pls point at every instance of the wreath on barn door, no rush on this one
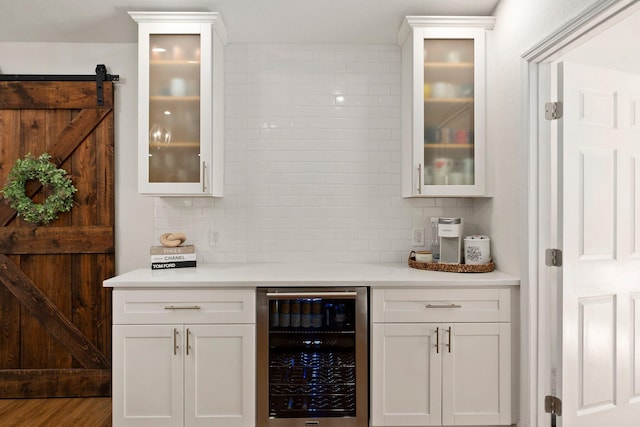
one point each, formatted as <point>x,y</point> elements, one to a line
<point>60,198</point>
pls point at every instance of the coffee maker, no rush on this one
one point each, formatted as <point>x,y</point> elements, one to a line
<point>450,235</point>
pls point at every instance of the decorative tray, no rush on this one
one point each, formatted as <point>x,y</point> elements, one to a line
<point>452,268</point>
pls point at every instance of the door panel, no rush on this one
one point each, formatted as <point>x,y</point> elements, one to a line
<point>151,357</point>
<point>597,353</point>
<point>597,191</point>
<point>635,347</point>
<point>219,390</point>
<point>55,316</point>
<point>635,201</point>
<point>406,384</point>
<point>476,386</point>
<point>598,151</point>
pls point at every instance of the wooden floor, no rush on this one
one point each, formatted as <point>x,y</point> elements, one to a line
<point>56,412</point>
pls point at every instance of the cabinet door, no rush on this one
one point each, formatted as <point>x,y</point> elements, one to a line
<point>220,375</point>
<point>406,374</point>
<point>177,121</point>
<point>452,140</point>
<point>147,376</point>
<point>443,89</point>
<point>476,378</point>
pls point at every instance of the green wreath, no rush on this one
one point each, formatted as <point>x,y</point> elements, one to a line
<point>56,180</point>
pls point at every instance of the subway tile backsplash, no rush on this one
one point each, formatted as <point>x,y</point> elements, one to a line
<point>312,161</point>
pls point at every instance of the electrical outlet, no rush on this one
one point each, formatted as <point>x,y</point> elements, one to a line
<point>418,237</point>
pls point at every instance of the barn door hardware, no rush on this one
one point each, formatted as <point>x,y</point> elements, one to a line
<point>100,77</point>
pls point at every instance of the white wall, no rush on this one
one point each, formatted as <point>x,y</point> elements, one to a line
<point>616,48</point>
<point>134,229</point>
<point>308,176</point>
<point>520,24</point>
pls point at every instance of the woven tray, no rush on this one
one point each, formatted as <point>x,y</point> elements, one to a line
<point>452,268</point>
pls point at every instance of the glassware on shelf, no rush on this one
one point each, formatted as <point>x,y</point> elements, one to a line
<point>159,136</point>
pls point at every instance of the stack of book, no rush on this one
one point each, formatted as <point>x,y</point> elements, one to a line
<point>163,257</point>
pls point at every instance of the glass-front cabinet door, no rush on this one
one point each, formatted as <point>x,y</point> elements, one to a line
<point>181,104</point>
<point>443,62</point>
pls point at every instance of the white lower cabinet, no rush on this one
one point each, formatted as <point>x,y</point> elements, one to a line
<point>431,370</point>
<point>183,374</point>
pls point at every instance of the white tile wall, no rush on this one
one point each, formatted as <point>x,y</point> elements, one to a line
<point>312,161</point>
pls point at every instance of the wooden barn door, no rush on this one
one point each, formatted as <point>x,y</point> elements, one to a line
<point>55,316</point>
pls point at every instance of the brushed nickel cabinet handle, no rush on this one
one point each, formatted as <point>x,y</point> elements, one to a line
<point>204,167</point>
<point>437,340</point>
<point>175,341</point>
<point>189,333</point>
<point>182,307</point>
<point>449,345</point>
<point>419,178</point>
<point>443,306</point>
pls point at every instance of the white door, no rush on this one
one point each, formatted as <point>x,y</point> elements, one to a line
<point>220,375</point>
<point>599,225</point>
<point>147,376</point>
<point>476,374</point>
<point>406,374</point>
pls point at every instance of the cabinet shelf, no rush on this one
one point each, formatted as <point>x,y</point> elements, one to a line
<point>177,144</point>
<point>169,98</point>
<point>172,62</point>
<point>448,64</point>
<point>435,100</point>
<point>448,146</point>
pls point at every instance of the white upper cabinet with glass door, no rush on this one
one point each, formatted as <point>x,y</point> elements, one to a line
<point>443,106</point>
<point>181,103</point>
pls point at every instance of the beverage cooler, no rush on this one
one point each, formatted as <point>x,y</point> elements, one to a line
<point>312,356</point>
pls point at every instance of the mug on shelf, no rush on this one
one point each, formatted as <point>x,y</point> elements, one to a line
<point>441,168</point>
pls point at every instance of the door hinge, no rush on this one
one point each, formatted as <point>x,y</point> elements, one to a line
<point>553,257</point>
<point>553,405</point>
<point>553,110</point>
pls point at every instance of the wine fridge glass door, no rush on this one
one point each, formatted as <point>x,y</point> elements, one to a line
<point>312,357</point>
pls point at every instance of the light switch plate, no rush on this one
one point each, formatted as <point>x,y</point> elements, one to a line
<point>418,237</point>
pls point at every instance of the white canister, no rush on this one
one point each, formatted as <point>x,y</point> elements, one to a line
<point>477,250</point>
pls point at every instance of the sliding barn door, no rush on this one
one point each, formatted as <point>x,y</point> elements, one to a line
<point>55,316</point>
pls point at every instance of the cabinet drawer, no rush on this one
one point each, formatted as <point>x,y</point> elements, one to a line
<point>441,305</point>
<point>167,306</point>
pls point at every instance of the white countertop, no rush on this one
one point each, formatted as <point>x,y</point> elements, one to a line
<point>305,274</point>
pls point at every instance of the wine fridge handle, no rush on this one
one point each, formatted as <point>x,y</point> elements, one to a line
<point>320,294</point>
